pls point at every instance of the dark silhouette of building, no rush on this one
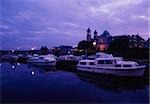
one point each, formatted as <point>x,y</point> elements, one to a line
<point>136,41</point>
<point>103,41</point>
<point>147,43</point>
<point>95,35</point>
<point>88,34</point>
<point>65,50</point>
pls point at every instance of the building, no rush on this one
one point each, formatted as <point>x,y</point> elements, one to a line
<point>95,35</point>
<point>147,43</point>
<point>64,50</point>
<point>88,34</point>
<point>135,41</point>
<point>101,42</point>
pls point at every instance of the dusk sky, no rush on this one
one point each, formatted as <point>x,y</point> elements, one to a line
<point>36,23</point>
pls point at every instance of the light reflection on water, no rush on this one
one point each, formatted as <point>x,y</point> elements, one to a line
<point>27,83</point>
<point>32,72</point>
<point>18,64</point>
<point>13,67</point>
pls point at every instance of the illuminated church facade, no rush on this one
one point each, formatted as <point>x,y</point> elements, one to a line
<point>102,41</point>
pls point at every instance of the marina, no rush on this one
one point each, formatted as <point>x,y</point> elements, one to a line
<point>29,84</point>
<point>74,51</point>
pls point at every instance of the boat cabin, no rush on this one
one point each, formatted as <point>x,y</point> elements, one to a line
<point>126,64</point>
<point>87,62</point>
<point>108,62</point>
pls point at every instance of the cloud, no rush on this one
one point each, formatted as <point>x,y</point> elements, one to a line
<point>58,22</point>
<point>3,27</point>
<point>142,17</point>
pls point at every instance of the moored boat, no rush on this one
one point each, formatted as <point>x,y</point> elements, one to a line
<point>67,62</point>
<point>42,60</point>
<point>111,65</point>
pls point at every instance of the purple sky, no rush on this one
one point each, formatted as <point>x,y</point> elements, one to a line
<point>33,23</point>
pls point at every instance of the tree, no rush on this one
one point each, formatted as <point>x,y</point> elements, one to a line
<point>119,45</point>
<point>85,45</point>
<point>44,50</point>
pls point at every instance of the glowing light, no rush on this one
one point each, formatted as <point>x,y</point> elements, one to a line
<point>18,64</point>
<point>12,50</point>
<point>32,72</point>
<point>69,52</point>
<point>102,47</point>
<point>0,64</point>
<point>94,43</point>
<point>13,67</point>
<point>18,48</point>
<point>33,48</point>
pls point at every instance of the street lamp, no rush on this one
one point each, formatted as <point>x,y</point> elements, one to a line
<point>94,43</point>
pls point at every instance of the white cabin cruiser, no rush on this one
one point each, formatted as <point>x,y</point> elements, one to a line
<point>69,58</point>
<point>32,59</point>
<point>42,60</point>
<point>112,65</point>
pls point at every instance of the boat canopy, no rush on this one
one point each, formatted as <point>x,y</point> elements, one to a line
<point>103,55</point>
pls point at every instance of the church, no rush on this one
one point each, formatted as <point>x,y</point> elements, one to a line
<point>102,41</point>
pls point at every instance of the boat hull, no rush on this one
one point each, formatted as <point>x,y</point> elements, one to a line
<point>139,71</point>
<point>46,64</point>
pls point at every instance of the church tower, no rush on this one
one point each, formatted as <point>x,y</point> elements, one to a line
<point>95,35</point>
<point>88,34</point>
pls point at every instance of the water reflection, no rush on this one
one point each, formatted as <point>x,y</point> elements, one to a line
<point>18,64</point>
<point>113,83</point>
<point>42,69</point>
<point>32,73</point>
<point>14,65</point>
<point>28,83</point>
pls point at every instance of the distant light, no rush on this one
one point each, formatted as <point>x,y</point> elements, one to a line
<point>12,50</point>
<point>33,48</point>
<point>32,72</point>
<point>18,48</point>
<point>0,64</point>
<point>69,52</point>
<point>13,67</point>
<point>18,64</point>
<point>75,46</point>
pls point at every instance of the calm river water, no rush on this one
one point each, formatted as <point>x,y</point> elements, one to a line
<point>23,83</point>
